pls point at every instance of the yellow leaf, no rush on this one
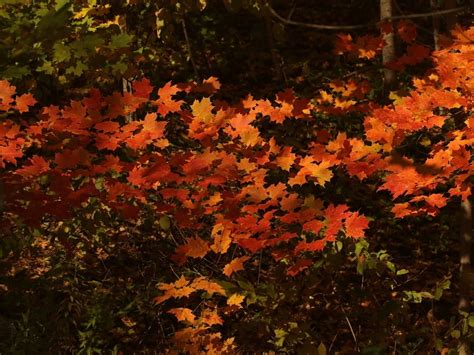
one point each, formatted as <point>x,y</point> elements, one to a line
<point>320,172</point>
<point>202,110</point>
<point>235,300</point>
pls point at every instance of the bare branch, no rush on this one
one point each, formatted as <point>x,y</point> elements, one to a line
<point>429,14</point>
<point>360,26</point>
<point>311,25</point>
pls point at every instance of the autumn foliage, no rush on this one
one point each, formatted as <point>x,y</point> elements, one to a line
<point>220,183</point>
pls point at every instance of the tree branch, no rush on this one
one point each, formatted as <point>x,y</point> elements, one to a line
<point>311,25</point>
<point>360,26</point>
<point>429,14</point>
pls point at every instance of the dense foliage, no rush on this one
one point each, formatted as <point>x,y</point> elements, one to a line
<point>141,213</point>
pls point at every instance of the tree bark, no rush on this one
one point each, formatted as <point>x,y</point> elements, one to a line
<point>388,52</point>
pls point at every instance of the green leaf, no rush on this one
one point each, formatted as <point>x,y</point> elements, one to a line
<point>361,245</point>
<point>322,349</point>
<point>165,222</point>
<point>402,272</point>
<point>62,53</point>
<point>60,4</point>
<point>120,40</point>
<point>444,285</point>
<point>280,335</point>
<point>456,334</point>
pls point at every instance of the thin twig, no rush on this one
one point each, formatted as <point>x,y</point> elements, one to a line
<point>429,14</point>
<point>332,342</point>
<point>310,25</point>
<point>293,7</point>
<point>360,26</point>
<point>259,267</point>
<point>190,53</point>
<point>350,327</point>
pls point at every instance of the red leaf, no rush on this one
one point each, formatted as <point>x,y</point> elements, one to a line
<point>356,225</point>
<point>142,88</point>
<point>299,266</point>
<point>38,165</point>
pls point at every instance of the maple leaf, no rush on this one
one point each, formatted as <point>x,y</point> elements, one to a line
<point>142,88</point>
<point>38,165</point>
<point>235,265</point>
<point>178,289</point>
<point>406,30</point>
<point>10,153</point>
<point>321,172</point>
<point>356,225</point>
<point>210,287</point>
<point>235,300</point>
<point>344,44</point>
<point>299,266</point>
<point>183,315</point>
<point>286,159</point>
<point>209,86</point>
<point>401,210</point>
<point>24,102</point>
<point>211,317</point>
<point>202,110</point>
<point>369,46</point>
<point>314,226</point>
<point>196,248</point>
<point>70,158</point>
<point>6,94</point>
<point>165,103</point>
<point>107,126</point>
<point>214,199</point>
<point>248,134</point>
<point>222,239</point>
<point>316,245</point>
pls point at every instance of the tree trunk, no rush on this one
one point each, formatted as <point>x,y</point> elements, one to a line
<point>388,52</point>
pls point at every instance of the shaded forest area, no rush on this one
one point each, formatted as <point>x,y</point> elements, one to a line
<point>236,176</point>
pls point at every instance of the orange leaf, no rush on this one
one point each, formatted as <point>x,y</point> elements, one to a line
<point>202,110</point>
<point>196,248</point>
<point>286,159</point>
<point>222,239</point>
<point>355,225</point>
<point>6,93</point>
<point>235,265</point>
<point>24,101</point>
<point>208,286</point>
<point>211,317</point>
<point>183,315</point>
